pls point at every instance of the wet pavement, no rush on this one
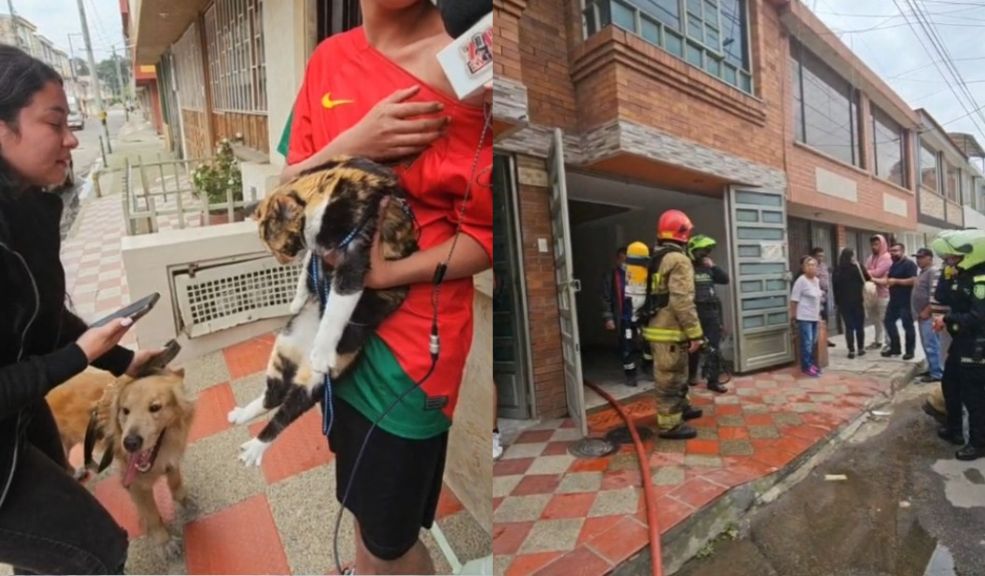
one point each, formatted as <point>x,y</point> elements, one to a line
<point>904,507</point>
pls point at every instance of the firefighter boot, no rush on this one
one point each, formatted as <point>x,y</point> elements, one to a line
<point>680,432</point>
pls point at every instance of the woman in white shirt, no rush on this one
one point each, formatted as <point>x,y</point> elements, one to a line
<point>805,309</point>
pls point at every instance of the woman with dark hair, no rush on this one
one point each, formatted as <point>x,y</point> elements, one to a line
<point>49,523</point>
<point>849,284</point>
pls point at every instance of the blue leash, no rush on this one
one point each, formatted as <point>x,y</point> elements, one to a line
<point>321,286</point>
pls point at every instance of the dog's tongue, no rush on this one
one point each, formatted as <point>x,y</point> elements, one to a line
<point>131,471</point>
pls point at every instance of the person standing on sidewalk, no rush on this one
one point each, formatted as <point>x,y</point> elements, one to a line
<point>706,276</point>
<point>49,523</point>
<point>878,265</point>
<point>673,329</point>
<point>848,284</point>
<point>921,303</point>
<point>824,279</point>
<point>805,310</point>
<point>965,369</point>
<point>900,280</point>
<point>378,91</point>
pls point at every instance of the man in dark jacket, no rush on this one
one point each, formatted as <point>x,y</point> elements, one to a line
<point>706,276</point>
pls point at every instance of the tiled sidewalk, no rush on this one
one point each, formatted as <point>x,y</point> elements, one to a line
<point>94,274</point>
<point>557,515</point>
<point>274,520</point>
<point>277,519</point>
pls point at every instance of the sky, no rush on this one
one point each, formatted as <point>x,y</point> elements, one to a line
<point>56,19</point>
<point>879,34</point>
<point>874,29</point>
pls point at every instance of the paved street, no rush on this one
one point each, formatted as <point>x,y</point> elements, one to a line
<point>906,506</point>
<point>88,149</point>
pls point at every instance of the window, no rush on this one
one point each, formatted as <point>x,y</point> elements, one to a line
<point>952,177</point>
<point>237,64</point>
<point>929,169</point>
<point>887,141</point>
<point>188,62</point>
<point>708,34</point>
<point>826,108</point>
<point>335,17</point>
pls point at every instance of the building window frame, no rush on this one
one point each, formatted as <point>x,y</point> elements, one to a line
<point>237,62</point>
<point>882,120</point>
<point>937,189</point>
<point>681,42</point>
<point>852,95</point>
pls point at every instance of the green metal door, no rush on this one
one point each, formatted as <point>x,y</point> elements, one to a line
<point>758,249</point>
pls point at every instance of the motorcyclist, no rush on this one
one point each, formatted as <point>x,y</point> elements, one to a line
<point>962,288</point>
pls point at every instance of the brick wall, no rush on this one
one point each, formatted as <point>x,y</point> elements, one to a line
<point>542,306</point>
<point>544,71</point>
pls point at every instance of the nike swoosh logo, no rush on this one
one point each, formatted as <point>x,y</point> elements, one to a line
<point>328,103</point>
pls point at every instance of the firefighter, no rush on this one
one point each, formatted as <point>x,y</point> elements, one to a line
<point>963,291</point>
<point>637,262</point>
<point>672,329</point>
<point>706,275</point>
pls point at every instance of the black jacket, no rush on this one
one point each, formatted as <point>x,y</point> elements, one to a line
<point>848,284</point>
<point>37,331</point>
<point>965,295</point>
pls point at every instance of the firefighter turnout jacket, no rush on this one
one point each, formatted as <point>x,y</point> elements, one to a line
<point>672,292</point>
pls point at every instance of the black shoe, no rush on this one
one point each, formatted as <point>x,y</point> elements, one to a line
<point>692,413</point>
<point>861,352</point>
<point>889,353</point>
<point>831,344</point>
<point>631,380</point>
<point>932,412</point>
<point>851,354</point>
<point>717,387</point>
<point>927,379</point>
<point>679,432</point>
<point>956,438</point>
<point>924,373</point>
<point>908,356</point>
<point>969,452</point>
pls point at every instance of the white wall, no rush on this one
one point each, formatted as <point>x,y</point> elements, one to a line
<point>287,47</point>
<point>973,218</point>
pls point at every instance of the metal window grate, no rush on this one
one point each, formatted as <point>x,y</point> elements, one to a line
<point>228,295</point>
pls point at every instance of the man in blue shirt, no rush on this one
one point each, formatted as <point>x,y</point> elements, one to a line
<point>901,279</point>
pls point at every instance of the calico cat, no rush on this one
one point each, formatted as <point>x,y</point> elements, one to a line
<point>332,210</point>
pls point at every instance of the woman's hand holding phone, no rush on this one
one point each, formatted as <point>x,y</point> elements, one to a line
<point>96,342</point>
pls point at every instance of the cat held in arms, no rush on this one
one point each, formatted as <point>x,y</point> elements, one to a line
<point>330,211</point>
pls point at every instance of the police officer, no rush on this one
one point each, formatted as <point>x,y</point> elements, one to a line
<point>673,329</point>
<point>706,275</point>
<point>962,288</point>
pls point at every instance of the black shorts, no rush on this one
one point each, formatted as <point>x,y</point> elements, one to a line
<point>395,491</point>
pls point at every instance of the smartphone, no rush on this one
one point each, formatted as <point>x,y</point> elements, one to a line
<point>134,311</point>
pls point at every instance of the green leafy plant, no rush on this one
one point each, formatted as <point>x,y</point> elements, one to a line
<point>215,178</point>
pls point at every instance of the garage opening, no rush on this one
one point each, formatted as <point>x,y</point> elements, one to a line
<point>605,214</point>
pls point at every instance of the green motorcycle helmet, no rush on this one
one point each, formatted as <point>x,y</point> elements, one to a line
<point>969,245</point>
<point>700,242</point>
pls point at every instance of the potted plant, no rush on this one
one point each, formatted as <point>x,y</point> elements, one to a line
<point>213,180</point>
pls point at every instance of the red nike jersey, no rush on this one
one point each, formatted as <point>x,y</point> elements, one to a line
<point>345,78</point>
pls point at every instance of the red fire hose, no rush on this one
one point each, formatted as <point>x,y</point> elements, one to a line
<point>650,496</point>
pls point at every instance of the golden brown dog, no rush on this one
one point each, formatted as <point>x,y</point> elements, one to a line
<point>148,420</point>
<point>72,404</point>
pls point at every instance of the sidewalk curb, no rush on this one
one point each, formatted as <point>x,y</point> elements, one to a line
<point>684,541</point>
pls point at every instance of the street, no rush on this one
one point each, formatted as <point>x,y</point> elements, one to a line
<point>904,506</point>
<point>88,149</point>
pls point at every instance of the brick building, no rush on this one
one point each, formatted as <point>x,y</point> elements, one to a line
<point>750,115</point>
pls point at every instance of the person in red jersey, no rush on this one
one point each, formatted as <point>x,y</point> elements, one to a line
<point>377,91</point>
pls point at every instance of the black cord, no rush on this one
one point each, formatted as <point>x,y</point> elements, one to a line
<point>434,345</point>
